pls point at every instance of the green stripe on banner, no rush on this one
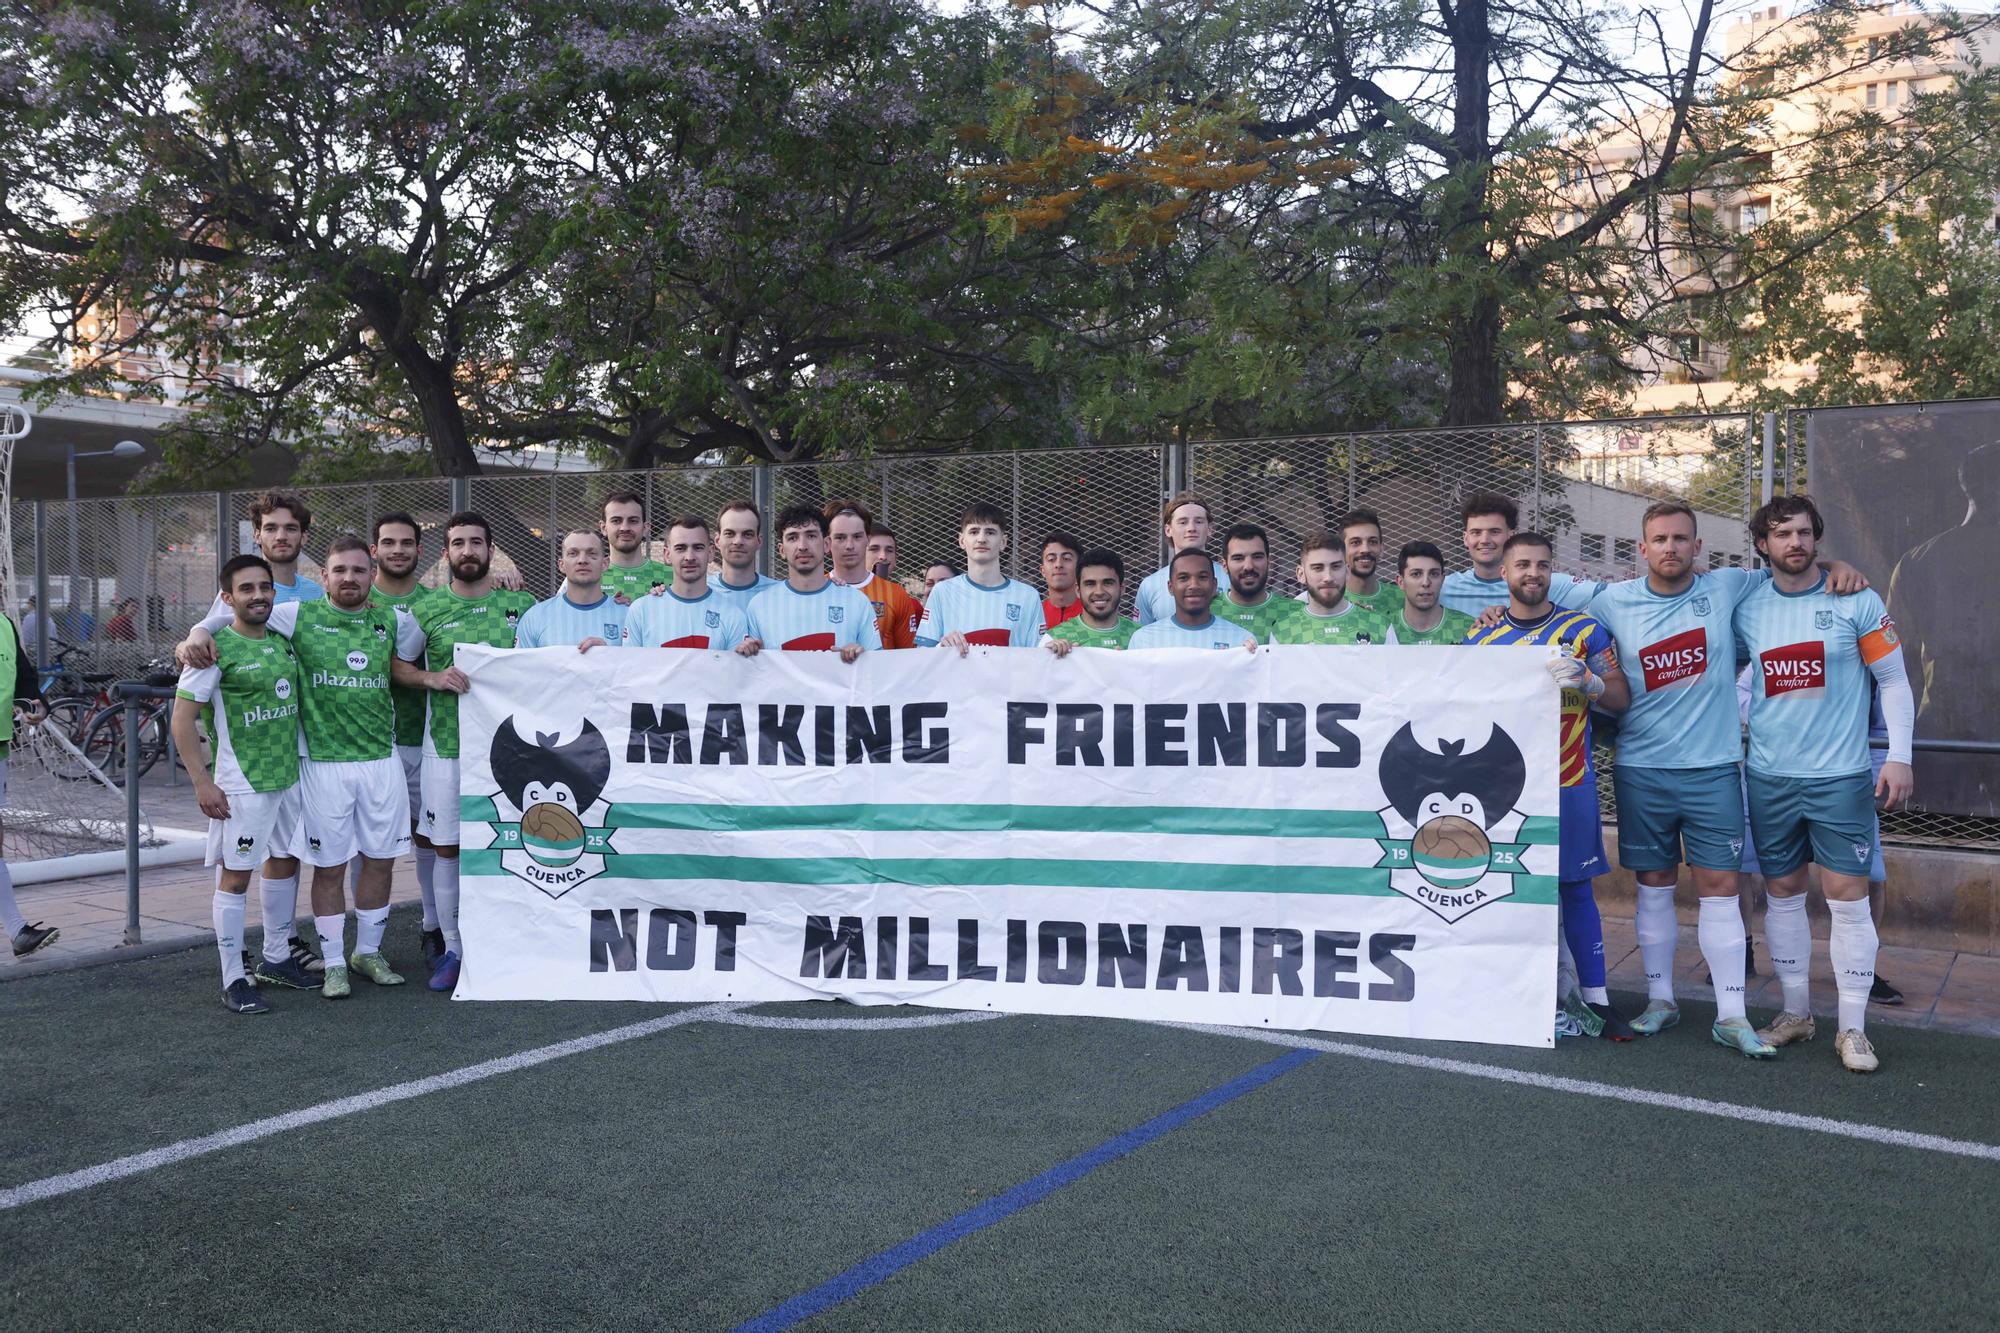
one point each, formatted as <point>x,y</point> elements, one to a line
<point>981,871</point>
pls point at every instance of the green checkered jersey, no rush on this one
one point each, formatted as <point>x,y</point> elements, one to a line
<point>407,701</point>
<point>344,669</point>
<point>1354,625</point>
<point>1075,631</point>
<point>1385,601</point>
<point>252,713</point>
<point>636,582</point>
<point>1451,630</point>
<point>442,621</point>
<point>1261,620</point>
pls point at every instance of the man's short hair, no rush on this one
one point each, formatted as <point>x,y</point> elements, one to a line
<point>603,547</point>
<point>1186,552</point>
<point>469,518</point>
<point>800,516</point>
<point>1541,539</point>
<point>292,501</point>
<point>1246,532</point>
<point>237,564</point>
<point>624,498</point>
<point>1357,518</point>
<point>1784,509</point>
<point>981,512</point>
<point>1104,556</point>
<point>1174,503</point>
<point>346,541</point>
<point>1489,502</point>
<point>1323,540</point>
<point>835,508</point>
<point>736,504</point>
<point>1418,551</point>
<point>398,516</point>
<point>693,521</point>
<point>1666,509</point>
<point>877,528</point>
<point>1066,541</point>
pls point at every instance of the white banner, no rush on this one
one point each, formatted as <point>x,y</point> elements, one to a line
<point>1349,839</point>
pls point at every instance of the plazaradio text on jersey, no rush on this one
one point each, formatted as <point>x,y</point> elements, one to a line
<point>1153,735</point>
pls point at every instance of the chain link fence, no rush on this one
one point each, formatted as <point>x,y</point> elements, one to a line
<point>123,578</point>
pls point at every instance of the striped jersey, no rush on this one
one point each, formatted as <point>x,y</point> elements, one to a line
<point>739,597</point>
<point>1810,656</point>
<point>1452,627</point>
<point>1170,633</point>
<point>1262,620</point>
<point>1580,636</point>
<point>1155,601</point>
<point>1466,591</point>
<point>1351,624</point>
<point>1078,631</point>
<point>431,635</point>
<point>1385,601</point>
<point>831,617</point>
<point>1001,615</point>
<point>673,621</point>
<point>409,702</point>
<point>635,581</point>
<point>559,621</point>
<point>252,711</point>
<point>1679,656</point>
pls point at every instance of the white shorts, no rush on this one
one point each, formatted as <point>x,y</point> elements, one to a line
<point>412,759</point>
<point>261,825</point>
<point>360,808</point>
<point>438,817</point>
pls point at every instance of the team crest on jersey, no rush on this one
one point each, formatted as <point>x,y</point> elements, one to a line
<point>382,632</point>
<point>552,787</point>
<point>513,617</point>
<point>613,630</point>
<point>1363,637</point>
<point>712,619</point>
<point>1822,620</point>
<point>1699,605</point>
<point>1013,611</point>
<point>835,614</point>
<point>1452,837</point>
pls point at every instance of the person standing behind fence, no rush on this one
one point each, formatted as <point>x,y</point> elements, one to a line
<point>1101,577</point>
<point>279,522</point>
<point>896,612</point>
<point>1361,536</point>
<point>17,664</point>
<point>1194,623</point>
<point>1421,618</point>
<point>1246,555</point>
<point>249,699</point>
<point>982,605</point>
<point>689,614</point>
<point>632,573</point>
<point>1489,521</point>
<point>397,549</point>
<point>1185,523</point>
<point>470,609</point>
<point>808,612</point>
<point>1061,554</point>
<point>739,540</point>
<point>584,612</point>
<point>1326,617</point>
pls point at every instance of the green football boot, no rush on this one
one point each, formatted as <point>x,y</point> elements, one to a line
<point>334,983</point>
<point>1739,1036</point>
<point>1659,1016</point>
<point>375,967</point>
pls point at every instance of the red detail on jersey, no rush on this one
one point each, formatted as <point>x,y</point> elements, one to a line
<point>992,638</point>
<point>1796,666</point>
<point>811,643</point>
<point>1674,659</point>
<point>687,641</point>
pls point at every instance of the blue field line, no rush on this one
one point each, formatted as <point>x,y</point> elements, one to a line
<point>886,1264</point>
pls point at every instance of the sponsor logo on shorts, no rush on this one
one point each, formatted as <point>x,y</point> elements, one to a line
<point>312,843</point>
<point>1861,850</point>
<point>1796,666</point>
<point>1674,659</point>
<point>1736,846</point>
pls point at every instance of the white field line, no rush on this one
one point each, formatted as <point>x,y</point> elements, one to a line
<point>943,1019</point>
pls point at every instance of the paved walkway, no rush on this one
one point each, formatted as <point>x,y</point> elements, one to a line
<point>1957,992</point>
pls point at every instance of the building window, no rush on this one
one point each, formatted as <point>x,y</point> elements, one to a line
<point>1870,91</point>
<point>1593,546</point>
<point>1625,551</point>
<point>1889,93</point>
<point>1687,346</point>
<point>1753,214</point>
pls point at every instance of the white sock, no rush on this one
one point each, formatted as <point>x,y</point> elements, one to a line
<point>1596,995</point>
<point>1788,939</point>
<point>447,901</point>
<point>1852,947</point>
<point>10,911</point>
<point>369,923</point>
<point>1720,930</point>
<point>227,912</point>
<point>427,858</point>
<point>1659,932</point>
<point>280,899</point>
<point>332,939</point>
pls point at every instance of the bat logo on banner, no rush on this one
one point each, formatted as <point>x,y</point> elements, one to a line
<point>553,786</point>
<point>1454,839</point>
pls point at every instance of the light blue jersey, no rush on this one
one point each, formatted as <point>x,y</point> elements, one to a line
<point>739,597</point>
<point>830,618</point>
<point>303,590</point>
<point>1156,602</point>
<point>1465,591</point>
<point>672,621</point>
<point>1811,657</point>
<point>1007,614</point>
<point>1170,633</point>
<point>559,621</point>
<point>1679,656</point>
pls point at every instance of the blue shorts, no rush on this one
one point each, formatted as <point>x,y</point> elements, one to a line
<point>1830,821</point>
<point>1666,815</point>
<point>1878,872</point>
<point>1582,837</point>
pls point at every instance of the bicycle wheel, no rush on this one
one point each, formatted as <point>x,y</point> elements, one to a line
<point>103,743</point>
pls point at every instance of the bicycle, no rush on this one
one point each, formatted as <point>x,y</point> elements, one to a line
<point>102,741</point>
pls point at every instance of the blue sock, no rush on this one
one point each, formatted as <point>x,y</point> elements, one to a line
<point>1584,930</point>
